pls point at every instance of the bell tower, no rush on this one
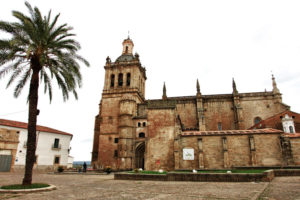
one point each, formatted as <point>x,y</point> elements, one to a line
<point>124,88</point>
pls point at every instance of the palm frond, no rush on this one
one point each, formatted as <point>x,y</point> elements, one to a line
<point>22,82</point>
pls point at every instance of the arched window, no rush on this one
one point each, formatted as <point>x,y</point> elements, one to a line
<point>120,79</point>
<point>291,129</point>
<point>139,124</point>
<point>141,135</point>
<point>257,120</point>
<point>144,124</point>
<point>128,79</point>
<point>126,50</point>
<point>219,126</point>
<point>112,80</point>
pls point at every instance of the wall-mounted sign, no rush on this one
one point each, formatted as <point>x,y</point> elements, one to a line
<point>188,154</point>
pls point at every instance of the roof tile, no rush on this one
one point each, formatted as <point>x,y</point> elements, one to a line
<point>16,124</point>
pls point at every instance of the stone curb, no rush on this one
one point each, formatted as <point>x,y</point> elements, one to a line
<point>49,188</point>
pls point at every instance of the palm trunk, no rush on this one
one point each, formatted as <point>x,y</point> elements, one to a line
<point>32,121</point>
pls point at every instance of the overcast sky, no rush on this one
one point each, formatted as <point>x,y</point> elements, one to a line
<point>178,42</point>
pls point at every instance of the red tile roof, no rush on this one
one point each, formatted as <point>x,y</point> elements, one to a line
<point>292,135</point>
<point>231,132</point>
<point>276,122</point>
<point>16,124</point>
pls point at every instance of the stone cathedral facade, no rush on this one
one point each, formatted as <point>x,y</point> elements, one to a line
<point>186,132</point>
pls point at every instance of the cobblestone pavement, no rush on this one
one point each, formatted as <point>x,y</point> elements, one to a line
<point>283,188</point>
<point>79,186</point>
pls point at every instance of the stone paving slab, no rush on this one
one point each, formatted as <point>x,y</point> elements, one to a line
<point>104,187</point>
<point>283,188</point>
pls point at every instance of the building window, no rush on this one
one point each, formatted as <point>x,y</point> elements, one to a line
<point>144,124</point>
<point>139,124</point>
<point>120,80</point>
<point>116,140</point>
<point>126,50</point>
<point>291,129</point>
<point>141,135</point>
<point>219,126</point>
<point>56,143</point>
<point>56,159</point>
<point>128,79</point>
<point>257,120</point>
<point>112,80</point>
<point>116,153</point>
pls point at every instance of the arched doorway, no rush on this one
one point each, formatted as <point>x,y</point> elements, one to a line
<point>139,155</point>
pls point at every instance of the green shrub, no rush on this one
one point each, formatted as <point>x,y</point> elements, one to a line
<point>60,169</point>
<point>107,169</point>
<point>20,187</point>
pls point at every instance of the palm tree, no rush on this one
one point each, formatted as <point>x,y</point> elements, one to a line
<point>39,50</point>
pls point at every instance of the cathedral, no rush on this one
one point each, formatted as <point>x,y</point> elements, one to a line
<point>186,132</point>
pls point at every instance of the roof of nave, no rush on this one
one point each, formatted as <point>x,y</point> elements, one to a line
<point>216,96</point>
<point>231,132</point>
<point>16,124</point>
<point>277,118</point>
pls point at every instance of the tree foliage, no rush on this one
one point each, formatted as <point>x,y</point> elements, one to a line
<point>38,37</point>
<point>39,50</point>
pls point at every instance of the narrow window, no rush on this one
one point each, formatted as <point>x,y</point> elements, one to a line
<point>144,124</point>
<point>112,80</point>
<point>219,126</point>
<point>139,124</point>
<point>200,146</point>
<point>141,135</point>
<point>56,159</point>
<point>56,143</point>
<point>128,79</point>
<point>116,140</point>
<point>126,50</point>
<point>224,141</point>
<point>251,141</point>
<point>116,153</point>
<point>291,129</point>
<point>120,79</point>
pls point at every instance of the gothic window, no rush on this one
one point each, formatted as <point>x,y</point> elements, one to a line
<point>112,80</point>
<point>139,124</point>
<point>116,140</point>
<point>141,135</point>
<point>126,50</point>
<point>120,79</point>
<point>219,126</point>
<point>128,79</point>
<point>116,153</point>
<point>291,129</point>
<point>257,120</point>
<point>144,124</point>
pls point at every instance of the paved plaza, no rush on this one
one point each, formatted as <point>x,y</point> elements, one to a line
<point>83,186</point>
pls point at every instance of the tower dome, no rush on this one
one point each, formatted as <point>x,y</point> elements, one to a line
<point>127,54</point>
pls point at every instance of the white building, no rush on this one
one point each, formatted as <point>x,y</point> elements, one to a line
<point>53,146</point>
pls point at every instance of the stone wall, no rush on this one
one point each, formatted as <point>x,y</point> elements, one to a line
<point>295,146</point>
<point>188,113</point>
<point>228,151</point>
<point>9,140</point>
<point>219,111</point>
<point>262,106</point>
<point>160,142</point>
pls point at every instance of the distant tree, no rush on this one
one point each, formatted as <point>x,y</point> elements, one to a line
<point>39,50</point>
